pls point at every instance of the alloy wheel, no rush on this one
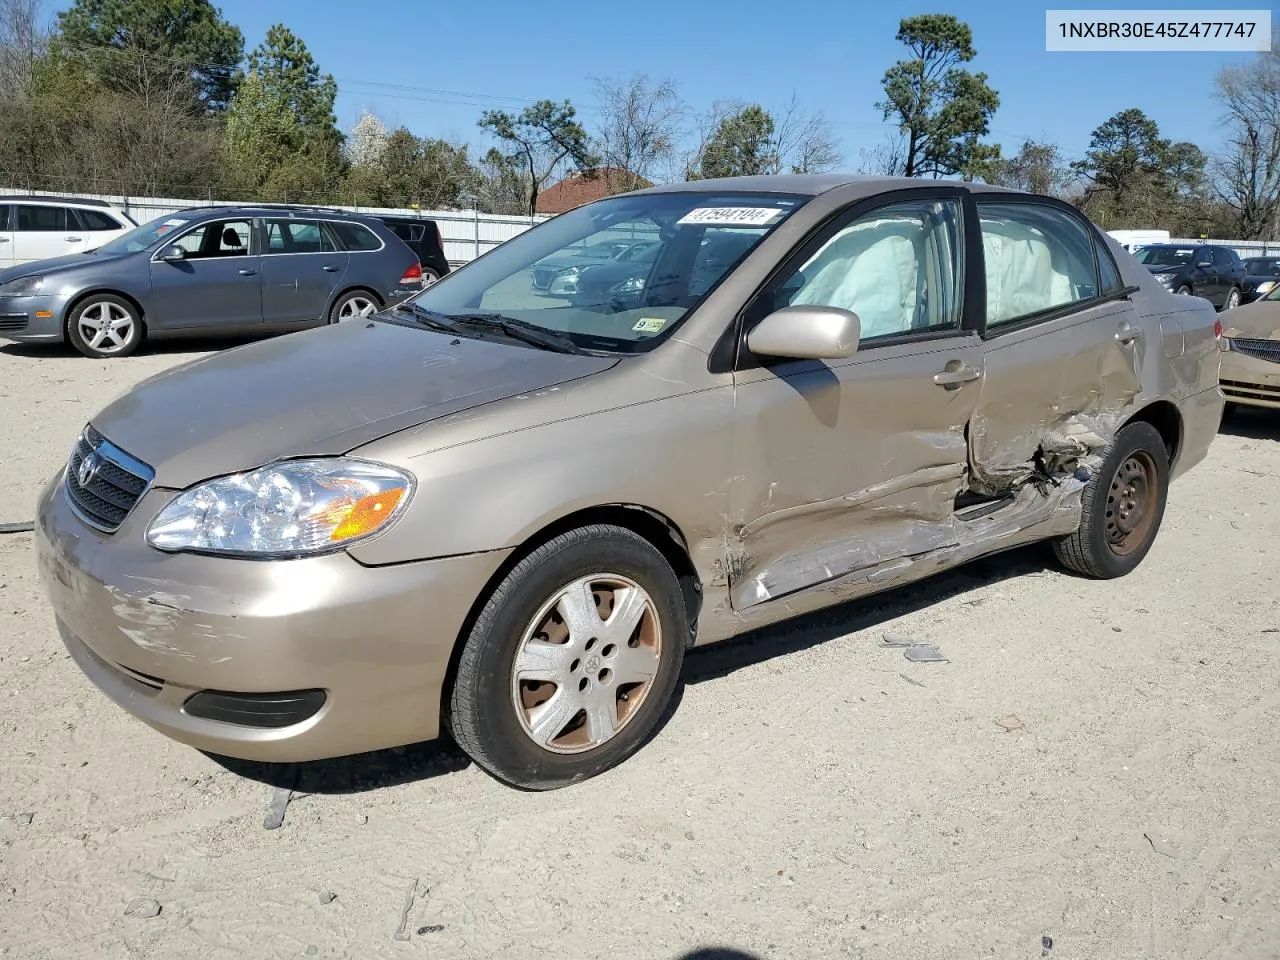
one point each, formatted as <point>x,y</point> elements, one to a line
<point>106,327</point>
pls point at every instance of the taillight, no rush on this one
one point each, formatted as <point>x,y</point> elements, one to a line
<point>413,274</point>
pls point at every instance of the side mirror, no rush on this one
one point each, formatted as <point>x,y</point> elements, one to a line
<point>807,333</point>
<point>172,253</point>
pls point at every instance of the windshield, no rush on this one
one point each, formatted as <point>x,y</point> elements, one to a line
<point>615,275</point>
<point>1165,256</point>
<point>143,237</point>
<point>1259,267</point>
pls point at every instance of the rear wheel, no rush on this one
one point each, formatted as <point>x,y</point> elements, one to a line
<point>572,661</point>
<point>1122,506</point>
<point>353,305</point>
<point>429,276</point>
<point>1184,290</point>
<point>104,325</point>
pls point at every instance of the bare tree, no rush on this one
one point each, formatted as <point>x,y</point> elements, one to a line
<point>640,124</point>
<point>24,37</point>
<point>1247,173</point>
<point>887,160</point>
<point>804,142</point>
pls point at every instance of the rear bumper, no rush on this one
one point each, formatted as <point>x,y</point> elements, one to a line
<point>153,630</point>
<point>1250,380</point>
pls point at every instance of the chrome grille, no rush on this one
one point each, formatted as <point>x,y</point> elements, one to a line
<point>104,493</point>
<point>1262,349</point>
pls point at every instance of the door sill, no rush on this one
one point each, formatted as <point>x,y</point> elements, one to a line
<point>970,507</point>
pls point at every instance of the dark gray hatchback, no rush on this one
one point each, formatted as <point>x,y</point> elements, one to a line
<point>210,271</point>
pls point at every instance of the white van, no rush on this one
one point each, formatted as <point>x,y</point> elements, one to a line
<point>37,228</point>
<point>1131,240</point>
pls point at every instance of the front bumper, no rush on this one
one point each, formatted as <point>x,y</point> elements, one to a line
<point>152,630</point>
<point>1248,380</point>
<point>33,319</point>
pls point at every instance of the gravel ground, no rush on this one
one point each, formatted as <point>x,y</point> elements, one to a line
<point>814,795</point>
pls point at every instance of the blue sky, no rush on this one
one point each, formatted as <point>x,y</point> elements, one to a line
<point>434,67</point>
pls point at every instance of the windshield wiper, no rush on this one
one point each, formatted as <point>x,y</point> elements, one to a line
<point>429,318</point>
<point>520,330</point>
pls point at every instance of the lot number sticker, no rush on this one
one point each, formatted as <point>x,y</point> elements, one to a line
<point>731,216</point>
<point>649,324</point>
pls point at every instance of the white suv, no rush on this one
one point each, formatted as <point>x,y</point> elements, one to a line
<point>37,228</point>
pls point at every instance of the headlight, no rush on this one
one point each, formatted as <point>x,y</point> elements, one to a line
<point>632,285</point>
<point>22,287</point>
<point>1266,287</point>
<point>286,509</point>
<point>1165,278</point>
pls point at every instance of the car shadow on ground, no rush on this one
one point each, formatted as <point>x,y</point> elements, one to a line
<point>148,348</point>
<point>717,953</point>
<point>1251,423</point>
<point>425,761</point>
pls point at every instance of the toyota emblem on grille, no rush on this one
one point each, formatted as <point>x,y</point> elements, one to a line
<point>88,469</point>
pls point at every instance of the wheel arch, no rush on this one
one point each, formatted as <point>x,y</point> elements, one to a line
<point>84,295</point>
<point>654,526</point>
<point>1166,419</point>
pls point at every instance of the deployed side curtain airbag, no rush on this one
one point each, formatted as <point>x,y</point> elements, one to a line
<point>1021,277</point>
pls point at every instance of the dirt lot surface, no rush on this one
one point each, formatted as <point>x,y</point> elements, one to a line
<point>815,794</point>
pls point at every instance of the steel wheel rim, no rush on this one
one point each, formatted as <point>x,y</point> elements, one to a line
<point>1132,502</point>
<point>356,308</point>
<point>586,663</point>
<point>106,327</point>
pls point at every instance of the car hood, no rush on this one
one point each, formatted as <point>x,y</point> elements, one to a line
<point>317,393</point>
<point>1259,320</point>
<point>55,264</point>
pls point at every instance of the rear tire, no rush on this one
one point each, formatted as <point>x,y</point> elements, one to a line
<point>429,277</point>
<point>1184,290</point>
<point>553,684</point>
<point>1122,506</point>
<point>104,326</point>
<point>353,305</point>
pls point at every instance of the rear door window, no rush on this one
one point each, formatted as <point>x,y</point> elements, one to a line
<point>298,236</point>
<point>37,219</point>
<point>5,216</point>
<point>1038,259</point>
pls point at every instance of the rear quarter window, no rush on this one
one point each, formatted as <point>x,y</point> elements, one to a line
<point>355,236</point>
<point>97,220</point>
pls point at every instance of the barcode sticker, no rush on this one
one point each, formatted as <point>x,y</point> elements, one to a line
<point>731,216</point>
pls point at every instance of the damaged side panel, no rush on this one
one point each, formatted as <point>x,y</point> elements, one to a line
<point>1053,393</point>
<point>840,468</point>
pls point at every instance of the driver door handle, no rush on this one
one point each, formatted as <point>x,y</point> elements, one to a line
<point>248,273</point>
<point>329,268</point>
<point>72,239</point>
<point>1127,334</point>
<point>957,377</point>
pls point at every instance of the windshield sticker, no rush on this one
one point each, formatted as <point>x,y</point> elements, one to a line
<point>175,222</point>
<point>732,216</point>
<point>649,324</point>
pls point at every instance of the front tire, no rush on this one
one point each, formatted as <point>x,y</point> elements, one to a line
<point>104,326</point>
<point>1184,290</point>
<point>572,661</point>
<point>1122,506</point>
<point>1233,299</point>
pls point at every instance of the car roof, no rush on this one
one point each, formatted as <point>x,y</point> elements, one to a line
<point>813,184</point>
<point>39,198</point>
<point>276,210</point>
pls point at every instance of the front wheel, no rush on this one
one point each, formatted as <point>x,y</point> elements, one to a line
<point>1122,506</point>
<point>104,326</point>
<point>1233,299</point>
<point>572,661</point>
<point>1184,290</point>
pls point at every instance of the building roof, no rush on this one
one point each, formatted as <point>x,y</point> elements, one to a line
<point>580,188</point>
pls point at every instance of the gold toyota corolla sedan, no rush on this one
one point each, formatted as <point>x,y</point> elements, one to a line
<point>1251,363</point>
<point>507,513</point>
